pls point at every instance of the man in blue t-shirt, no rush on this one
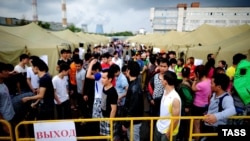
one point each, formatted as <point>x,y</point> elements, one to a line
<point>6,109</point>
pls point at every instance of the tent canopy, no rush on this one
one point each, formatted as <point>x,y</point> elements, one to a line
<point>224,49</point>
<point>92,38</point>
<point>34,33</point>
<point>31,38</point>
<point>68,35</point>
<point>11,47</point>
<point>40,43</point>
<point>208,35</point>
<point>202,36</point>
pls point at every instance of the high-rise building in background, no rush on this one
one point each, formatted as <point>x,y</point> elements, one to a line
<point>64,16</point>
<point>184,18</point>
<point>99,29</point>
<point>34,11</point>
<point>84,28</point>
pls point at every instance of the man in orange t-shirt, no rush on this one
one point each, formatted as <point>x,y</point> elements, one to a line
<point>72,81</point>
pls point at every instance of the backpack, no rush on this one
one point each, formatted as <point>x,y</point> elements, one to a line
<point>220,108</point>
<point>242,81</point>
<point>186,94</point>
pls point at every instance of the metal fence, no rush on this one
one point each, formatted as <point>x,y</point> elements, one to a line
<point>10,136</point>
<point>112,120</point>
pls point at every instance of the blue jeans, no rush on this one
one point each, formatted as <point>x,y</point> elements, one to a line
<point>136,132</point>
<point>17,101</point>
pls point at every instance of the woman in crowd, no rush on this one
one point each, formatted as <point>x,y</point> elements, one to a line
<point>202,88</point>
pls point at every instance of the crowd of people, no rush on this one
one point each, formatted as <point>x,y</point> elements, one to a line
<point>120,80</point>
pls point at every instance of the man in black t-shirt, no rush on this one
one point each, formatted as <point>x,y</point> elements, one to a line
<point>109,101</point>
<point>46,91</point>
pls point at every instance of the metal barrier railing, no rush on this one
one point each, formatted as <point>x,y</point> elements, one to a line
<point>10,136</point>
<point>132,119</point>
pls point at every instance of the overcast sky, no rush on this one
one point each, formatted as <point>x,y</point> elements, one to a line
<point>115,15</point>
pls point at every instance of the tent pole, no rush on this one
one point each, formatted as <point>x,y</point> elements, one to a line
<point>217,52</point>
<point>248,55</point>
<point>26,50</point>
<point>178,51</point>
<point>186,53</point>
<point>58,51</point>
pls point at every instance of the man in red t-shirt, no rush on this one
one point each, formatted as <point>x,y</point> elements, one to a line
<point>105,63</point>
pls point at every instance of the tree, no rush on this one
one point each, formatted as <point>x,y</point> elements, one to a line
<point>44,25</point>
<point>125,33</point>
<point>73,28</point>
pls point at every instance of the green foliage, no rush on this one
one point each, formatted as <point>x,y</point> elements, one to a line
<point>23,22</point>
<point>125,33</point>
<point>44,25</point>
<point>73,28</point>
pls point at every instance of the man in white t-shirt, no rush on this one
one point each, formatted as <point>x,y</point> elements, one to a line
<point>60,84</point>
<point>32,78</point>
<point>117,60</point>
<point>21,69</point>
<point>81,52</point>
<point>93,72</point>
